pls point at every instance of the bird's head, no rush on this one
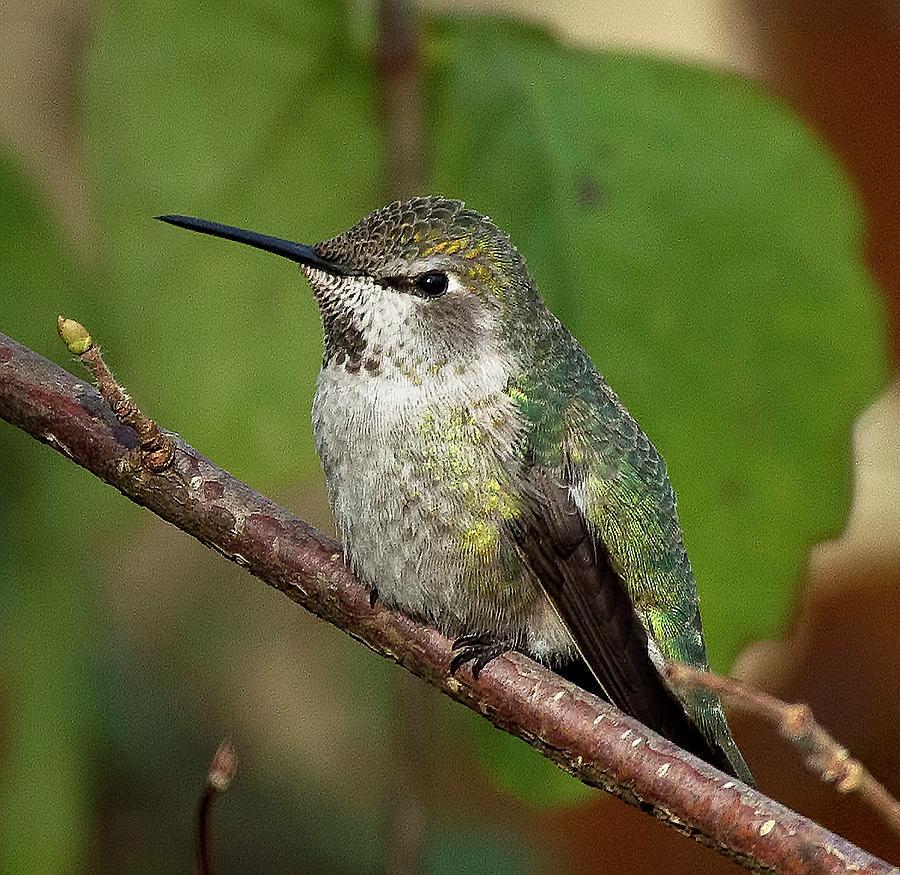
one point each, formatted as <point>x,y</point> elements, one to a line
<point>425,283</point>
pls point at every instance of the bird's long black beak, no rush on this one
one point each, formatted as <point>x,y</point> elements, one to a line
<point>298,252</point>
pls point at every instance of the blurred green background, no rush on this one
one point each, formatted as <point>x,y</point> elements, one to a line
<point>690,211</point>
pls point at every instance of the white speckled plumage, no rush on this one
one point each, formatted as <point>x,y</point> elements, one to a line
<point>406,448</point>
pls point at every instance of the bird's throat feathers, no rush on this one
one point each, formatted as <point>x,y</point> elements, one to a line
<point>370,330</point>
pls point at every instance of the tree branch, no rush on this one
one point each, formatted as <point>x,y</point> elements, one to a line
<point>588,738</point>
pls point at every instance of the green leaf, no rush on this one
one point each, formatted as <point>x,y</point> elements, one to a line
<point>264,117</point>
<point>705,248</point>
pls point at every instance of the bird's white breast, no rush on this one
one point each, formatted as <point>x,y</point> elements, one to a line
<point>405,461</point>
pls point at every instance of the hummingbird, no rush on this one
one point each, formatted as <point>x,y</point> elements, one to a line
<point>483,475</point>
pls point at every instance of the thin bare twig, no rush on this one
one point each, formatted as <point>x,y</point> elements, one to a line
<point>398,67</point>
<point>823,756</point>
<point>155,450</point>
<point>221,773</point>
<point>588,738</point>
<point>398,64</point>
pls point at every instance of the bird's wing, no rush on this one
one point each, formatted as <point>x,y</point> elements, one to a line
<point>599,530</point>
<point>575,572</point>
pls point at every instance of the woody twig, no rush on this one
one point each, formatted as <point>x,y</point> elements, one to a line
<point>823,755</point>
<point>221,773</point>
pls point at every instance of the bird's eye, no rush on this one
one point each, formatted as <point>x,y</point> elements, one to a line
<point>432,284</point>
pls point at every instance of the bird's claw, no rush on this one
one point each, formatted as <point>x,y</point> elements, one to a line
<point>477,649</point>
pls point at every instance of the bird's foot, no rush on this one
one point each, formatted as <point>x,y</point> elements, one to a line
<point>477,649</point>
